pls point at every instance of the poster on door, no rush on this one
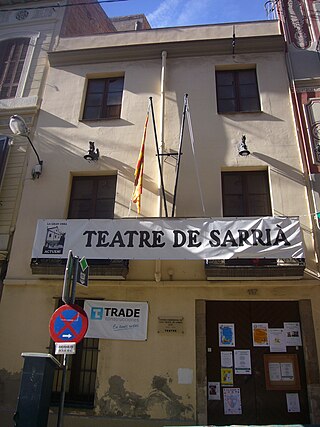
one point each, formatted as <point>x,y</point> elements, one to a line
<point>232,401</point>
<point>226,335</point>
<point>242,362</point>
<point>260,334</point>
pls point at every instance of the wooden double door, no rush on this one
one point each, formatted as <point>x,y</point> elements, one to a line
<point>262,396</point>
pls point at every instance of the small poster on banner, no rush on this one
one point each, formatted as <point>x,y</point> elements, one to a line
<point>226,359</point>
<point>214,391</point>
<point>293,333</point>
<point>226,376</point>
<point>277,340</point>
<point>226,335</point>
<point>260,334</point>
<point>232,401</point>
<point>293,404</point>
<point>242,362</point>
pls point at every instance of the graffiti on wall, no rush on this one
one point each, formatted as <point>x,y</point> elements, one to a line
<point>160,403</point>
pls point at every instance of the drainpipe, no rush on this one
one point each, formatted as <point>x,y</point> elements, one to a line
<point>157,274</point>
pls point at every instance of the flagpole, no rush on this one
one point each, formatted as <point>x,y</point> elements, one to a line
<point>159,161</point>
<point>179,153</point>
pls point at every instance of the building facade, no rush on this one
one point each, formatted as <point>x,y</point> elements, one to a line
<point>228,338</point>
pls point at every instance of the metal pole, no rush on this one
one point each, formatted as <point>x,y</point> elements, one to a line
<point>63,390</point>
<point>179,155</point>
<point>158,155</point>
<point>35,151</point>
<point>75,268</point>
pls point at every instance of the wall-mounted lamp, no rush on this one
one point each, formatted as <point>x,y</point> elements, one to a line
<point>18,127</point>
<point>93,154</point>
<point>242,147</point>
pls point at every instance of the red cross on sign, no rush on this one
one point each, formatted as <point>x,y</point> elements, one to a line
<point>69,323</point>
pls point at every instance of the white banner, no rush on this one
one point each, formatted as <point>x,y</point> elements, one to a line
<point>117,320</point>
<point>169,238</point>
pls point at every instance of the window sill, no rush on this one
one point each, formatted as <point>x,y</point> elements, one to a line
<point>226,113</point>
<point>26,102</point>
<point>105,119</point>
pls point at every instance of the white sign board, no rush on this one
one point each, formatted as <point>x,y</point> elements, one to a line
<point>65,348</point>
<point>117,320</point>
<point>169,238</point>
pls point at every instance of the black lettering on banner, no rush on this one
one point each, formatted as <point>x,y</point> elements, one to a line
<point>281,237</point>
<point>193,243</point>
<point>90,234</point>
<point>243,237</point>
<point>102,235</point>
<point>144,239</point>
<point>117,240</point>
<point>156,241</point>
<point>228,238</point>
<point>179,238</point>
<point>131,233</point>
<point>215,242</point>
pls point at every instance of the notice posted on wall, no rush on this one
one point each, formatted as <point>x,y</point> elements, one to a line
<point>232,401</point>
<point>293,333</point>
<point>226,359</point>
<point>293,403</point>
<point>242,362</point>
<point>226,376</point>
<point>214,391</point>
<point>277,340</point>
<point>226,335</point>
<point>260,334</point>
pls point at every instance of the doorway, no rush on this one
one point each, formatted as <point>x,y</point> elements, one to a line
<point>253,378</point>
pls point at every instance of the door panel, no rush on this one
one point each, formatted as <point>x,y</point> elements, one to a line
<point>259,405</point>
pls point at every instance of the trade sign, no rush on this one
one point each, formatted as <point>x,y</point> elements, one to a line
<point>69,323</point>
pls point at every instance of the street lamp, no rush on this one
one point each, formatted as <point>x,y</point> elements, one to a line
<point>242,147</point>
<point>18,127</point>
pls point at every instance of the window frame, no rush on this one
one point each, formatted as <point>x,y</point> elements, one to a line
<point>245,176</point>
<point>4,156</point>
<point>33,37</point>
<point>236,86</point>
<point>103,113</point>
<point>96,179</point>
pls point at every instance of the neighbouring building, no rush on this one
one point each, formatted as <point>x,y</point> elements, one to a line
<point>207,317</point>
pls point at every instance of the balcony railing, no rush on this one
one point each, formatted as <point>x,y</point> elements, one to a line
<point>114,269</point>
<point>233,269</point>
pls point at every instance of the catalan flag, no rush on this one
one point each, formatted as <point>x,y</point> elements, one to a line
<point>138,173</point>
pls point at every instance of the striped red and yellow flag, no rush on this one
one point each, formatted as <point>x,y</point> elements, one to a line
<point>138,173</point>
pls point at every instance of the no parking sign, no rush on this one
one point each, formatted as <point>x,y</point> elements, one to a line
<point>69,323</point>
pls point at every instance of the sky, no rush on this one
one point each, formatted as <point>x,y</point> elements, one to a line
<point>169,13</point>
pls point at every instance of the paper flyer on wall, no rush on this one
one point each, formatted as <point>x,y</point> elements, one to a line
<point>214,391</point>
<point>226,359</point>
<point>242,362</point>
<point>226,335</point>
<point>226,376</point>
<point>293,404</point>
<point>277,340</point>
<point>293,333</point>
<point>232,401</point>
<point>260,334</point>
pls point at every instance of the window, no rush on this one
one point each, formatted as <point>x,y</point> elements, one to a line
<point>82,372</point>
<point>246,194</point>
<point>92,197</point>
<point>103,99</point>
<point>12,58</point>
<point>237,91</point>
<point>4,151</point>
